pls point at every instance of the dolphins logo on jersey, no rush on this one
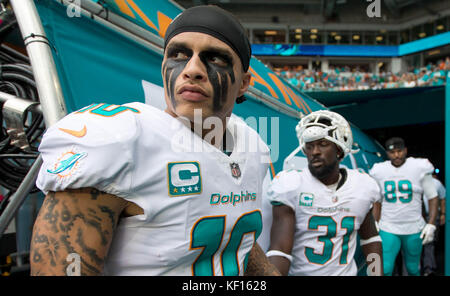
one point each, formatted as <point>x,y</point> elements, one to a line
<point>66,164</point>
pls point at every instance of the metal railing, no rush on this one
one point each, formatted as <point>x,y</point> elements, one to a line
<point>48,86</point>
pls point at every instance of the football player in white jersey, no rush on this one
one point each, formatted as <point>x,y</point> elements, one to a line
<point>403,180</point>
<point>132,190</point>
<point>429,264</point>
<point>317,212</point>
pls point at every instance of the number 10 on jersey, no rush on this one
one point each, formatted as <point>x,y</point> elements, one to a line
<point>204,236</point>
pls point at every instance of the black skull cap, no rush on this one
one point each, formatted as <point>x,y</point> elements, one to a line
<point>394,143</point>
<point>214,21</point>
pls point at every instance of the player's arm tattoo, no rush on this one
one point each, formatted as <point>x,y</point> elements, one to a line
<point>81,222</point>
<point>258,264</point>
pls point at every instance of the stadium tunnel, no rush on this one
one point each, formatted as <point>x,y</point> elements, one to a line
<point>416,114</point>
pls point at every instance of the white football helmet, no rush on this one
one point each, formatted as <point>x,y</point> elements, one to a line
<point>328,125</point>
<point>324,124</point>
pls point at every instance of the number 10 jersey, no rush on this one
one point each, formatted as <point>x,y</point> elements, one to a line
<point>201,206</point>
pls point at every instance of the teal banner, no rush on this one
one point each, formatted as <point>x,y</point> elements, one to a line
<point>154,16</point>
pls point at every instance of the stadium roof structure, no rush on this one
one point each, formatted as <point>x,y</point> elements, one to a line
<point>340,14</point>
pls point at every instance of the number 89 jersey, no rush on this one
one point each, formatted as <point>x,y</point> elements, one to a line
<point>401,211</point>
<point>201,206</point>
<point>326,222</point>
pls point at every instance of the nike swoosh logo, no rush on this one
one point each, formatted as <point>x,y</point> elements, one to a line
<point>79,134</point>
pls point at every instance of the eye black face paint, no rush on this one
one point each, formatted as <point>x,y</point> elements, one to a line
<point>173,67</point>
<point>218,76</point>
<point>218,72</point>
<point>171,70</point>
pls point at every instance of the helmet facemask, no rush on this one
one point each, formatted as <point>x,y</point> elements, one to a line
<point>327,125</point>
<point>324,124</point>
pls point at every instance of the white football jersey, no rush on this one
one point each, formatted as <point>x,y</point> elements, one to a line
<point>327,221</point>
<point>401,189</point>
<point>441,193</point>
<point>202,208</point>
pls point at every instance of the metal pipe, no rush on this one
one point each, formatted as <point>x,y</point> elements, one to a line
<point>17,199</point>
<point>5,97</point>
<point>49,90</point>
<point>97,10</point>
<point>41,59</point>
<point>118,24</point>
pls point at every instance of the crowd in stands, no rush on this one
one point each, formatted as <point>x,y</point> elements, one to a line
<point>346,78</point>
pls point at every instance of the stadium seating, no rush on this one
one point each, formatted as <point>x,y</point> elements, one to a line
<point>347,78</point>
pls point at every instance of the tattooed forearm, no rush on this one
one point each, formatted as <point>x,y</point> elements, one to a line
<point>51,215</point>
<point>94,193</point>
<point>109,212</point>
<point>75,221</point>
<point>259,265</point>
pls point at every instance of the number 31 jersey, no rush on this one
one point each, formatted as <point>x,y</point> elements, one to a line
<point>326,220</point>
<point>201,206</point>
<point>401,189</point>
